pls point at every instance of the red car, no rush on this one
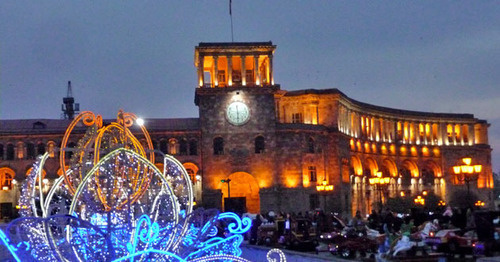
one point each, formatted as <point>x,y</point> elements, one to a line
<point>453,241</point>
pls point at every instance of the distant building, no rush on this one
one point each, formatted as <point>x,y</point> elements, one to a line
<point>275,146</point>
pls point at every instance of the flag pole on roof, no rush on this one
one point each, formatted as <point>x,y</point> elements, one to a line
<point>231,15</point>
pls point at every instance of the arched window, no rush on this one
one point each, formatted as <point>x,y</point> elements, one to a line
<point>183,147</point>
<point>193,147</point>
<point>20,150</point>
<point>10,152</point>
<point>40,149</point>
<point>51,145</point>
<point>310,145</point>
<point>218,146</point>
<point>260,145</point>
<point>1,152</point>
<point>30,150</point>
<point>173,146</point>
<point>6,176</point>
<point>164,146</point>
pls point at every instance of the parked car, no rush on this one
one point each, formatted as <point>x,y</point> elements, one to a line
<point>453,241</point>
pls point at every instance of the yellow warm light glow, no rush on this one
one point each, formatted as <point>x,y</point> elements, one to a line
<point>456,170</point>
<point>324,186</point>
<point>402,193</point>
<point>477,168</point>
<point>467,160</point>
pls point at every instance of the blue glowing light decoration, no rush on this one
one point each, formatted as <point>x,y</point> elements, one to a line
<point>119,208</point>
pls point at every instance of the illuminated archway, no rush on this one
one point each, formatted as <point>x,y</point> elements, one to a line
<point>371,167</point>
<point>356,166</point>
<point>389,169</point>
<point>432,178</point>
<point>192,170</point>
<point>409,176</point>
<point>244,185</point>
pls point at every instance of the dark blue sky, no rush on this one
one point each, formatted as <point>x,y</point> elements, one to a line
<point>436,56</point>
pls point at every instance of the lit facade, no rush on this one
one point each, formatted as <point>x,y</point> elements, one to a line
<point>275,146</point>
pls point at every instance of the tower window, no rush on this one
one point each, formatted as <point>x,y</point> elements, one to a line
<point>218,146</point>
<point>260,145</point>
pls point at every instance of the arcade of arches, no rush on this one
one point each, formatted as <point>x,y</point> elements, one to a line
<point>405,176</point>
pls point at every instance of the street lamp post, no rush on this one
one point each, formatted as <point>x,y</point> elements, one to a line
<point>379,182</point>
<point>324,188</point>
<point>467,172</point>
<point>228,187</point>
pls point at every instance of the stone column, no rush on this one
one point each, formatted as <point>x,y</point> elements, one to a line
<point>256,70</point>
<point>471,134</point>
<point>229,70</point>
<point>200,70</point>
<point>243,71</point>
<point>271,78</point>
<point>216,71</point>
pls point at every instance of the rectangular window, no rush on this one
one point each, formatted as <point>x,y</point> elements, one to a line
<point>221,78</point>
<point>297,118</point>
<point>312,174</point>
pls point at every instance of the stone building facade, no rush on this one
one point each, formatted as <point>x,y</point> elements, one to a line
<point>269,148</point>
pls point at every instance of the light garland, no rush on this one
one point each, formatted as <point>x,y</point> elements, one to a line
<point>113,204</point>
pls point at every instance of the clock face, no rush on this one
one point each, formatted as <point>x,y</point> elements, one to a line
<point>237,113</point>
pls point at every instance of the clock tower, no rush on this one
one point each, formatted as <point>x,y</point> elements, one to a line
<point>237,109</point>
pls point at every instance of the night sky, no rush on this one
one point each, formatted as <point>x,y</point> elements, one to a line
<point>433,56</point>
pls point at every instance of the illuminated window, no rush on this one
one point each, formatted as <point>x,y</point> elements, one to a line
<point>249,76</point>
<point>465,133</point>
<point>421,132</point>
<point>310,145</point>
<point>193,147</point>
<point>297,118</point>
<point>221,77</point>
<point>6,176</point>
<point>173,146</point>
<point>260,145</point>
<point>399,132</point>
<point>20,150</point>
<point>218,146</point>
<point>458,133</point>
<point>449,133</point>
<point>312,174</point>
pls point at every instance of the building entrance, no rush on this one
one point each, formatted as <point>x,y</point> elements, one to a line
<point>244,185</point>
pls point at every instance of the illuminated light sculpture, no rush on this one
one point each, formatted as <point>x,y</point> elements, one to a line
<point>114,204</point>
